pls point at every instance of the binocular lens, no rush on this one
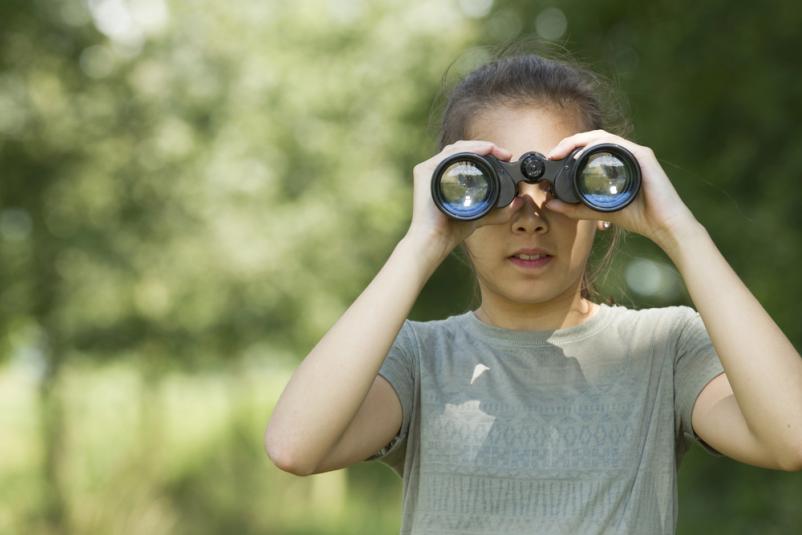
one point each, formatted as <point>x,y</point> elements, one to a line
<point>466,185</point>
<point>605,181</point>
<point>465,189</point>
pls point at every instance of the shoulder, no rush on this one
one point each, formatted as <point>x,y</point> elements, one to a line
<point>656,315</point>
<point>439,328</point>
<point>439,332</point>
<point>658,323</point>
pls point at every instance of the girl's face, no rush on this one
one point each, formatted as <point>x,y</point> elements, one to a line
<point>503,279</point>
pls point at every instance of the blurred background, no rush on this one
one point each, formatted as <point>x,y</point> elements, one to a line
<point>191,193</point>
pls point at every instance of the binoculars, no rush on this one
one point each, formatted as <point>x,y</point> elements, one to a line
<point>466,186</point>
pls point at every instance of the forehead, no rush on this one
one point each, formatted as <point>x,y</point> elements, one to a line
<point>524,128</point>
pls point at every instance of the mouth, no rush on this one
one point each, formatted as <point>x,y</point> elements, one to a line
<point>530,261</point>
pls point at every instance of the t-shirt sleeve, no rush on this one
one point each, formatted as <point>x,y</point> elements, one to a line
<point>696,364</point>
<point>400,370</point>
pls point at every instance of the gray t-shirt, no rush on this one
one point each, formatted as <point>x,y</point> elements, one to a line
<point>578,430</point>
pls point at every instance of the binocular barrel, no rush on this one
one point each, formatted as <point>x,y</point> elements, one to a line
<point>467,185</point>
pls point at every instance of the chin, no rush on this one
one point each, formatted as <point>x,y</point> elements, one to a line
<point>530,296</point>
<point>532,299</point>
<point>528,291</point>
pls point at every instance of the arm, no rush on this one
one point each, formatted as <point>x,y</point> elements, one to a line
<point>753,411</point>
<point>329,386</point>
<point>320,417</point>
<point>762,367</point>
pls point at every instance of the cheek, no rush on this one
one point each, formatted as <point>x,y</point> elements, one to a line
<point>584,234</point>
<point>482,245</point>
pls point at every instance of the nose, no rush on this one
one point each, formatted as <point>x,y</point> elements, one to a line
<point>529,217</point>
<point>539,192</point>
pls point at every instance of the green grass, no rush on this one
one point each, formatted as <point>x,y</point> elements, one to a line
<point>180,455</point>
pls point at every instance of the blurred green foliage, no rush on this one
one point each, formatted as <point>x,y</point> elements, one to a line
<point>191,193</point>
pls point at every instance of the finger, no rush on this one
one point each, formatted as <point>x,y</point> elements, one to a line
<point>574,211</point>
<point>502,215</point>
<point>501,153</point>
<point>566,145</point>
<point>587,140</point>
<point>473,146</point>
<point>479,147</point>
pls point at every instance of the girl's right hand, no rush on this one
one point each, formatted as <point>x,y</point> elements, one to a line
<point>430,222</point>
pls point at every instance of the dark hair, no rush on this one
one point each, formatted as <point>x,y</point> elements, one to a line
<point>516,79</point>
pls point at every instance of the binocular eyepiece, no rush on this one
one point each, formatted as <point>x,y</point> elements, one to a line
<point>466,186</point>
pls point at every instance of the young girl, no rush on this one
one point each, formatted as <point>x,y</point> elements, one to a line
<point>542,411</point>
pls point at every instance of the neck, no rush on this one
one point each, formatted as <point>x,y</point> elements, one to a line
<point>561,312</point>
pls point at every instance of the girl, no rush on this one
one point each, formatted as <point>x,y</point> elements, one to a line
<point>542,411</point>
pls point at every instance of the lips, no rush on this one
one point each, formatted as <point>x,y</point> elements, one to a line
<point>530,258</point>
<point>530,254</point>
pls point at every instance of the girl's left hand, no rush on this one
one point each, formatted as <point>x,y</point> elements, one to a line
<point>656,211</point>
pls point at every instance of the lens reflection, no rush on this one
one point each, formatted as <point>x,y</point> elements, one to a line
<point>605,181</point>
<point>465,188</point>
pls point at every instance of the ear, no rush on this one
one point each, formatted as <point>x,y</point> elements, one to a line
<point>601,225</point>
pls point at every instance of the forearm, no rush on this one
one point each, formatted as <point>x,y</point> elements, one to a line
<point>328,387</point>
<point>762,365</point>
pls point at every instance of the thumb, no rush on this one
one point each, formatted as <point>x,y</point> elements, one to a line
<point>502,215</point>
<point>574,211</point>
